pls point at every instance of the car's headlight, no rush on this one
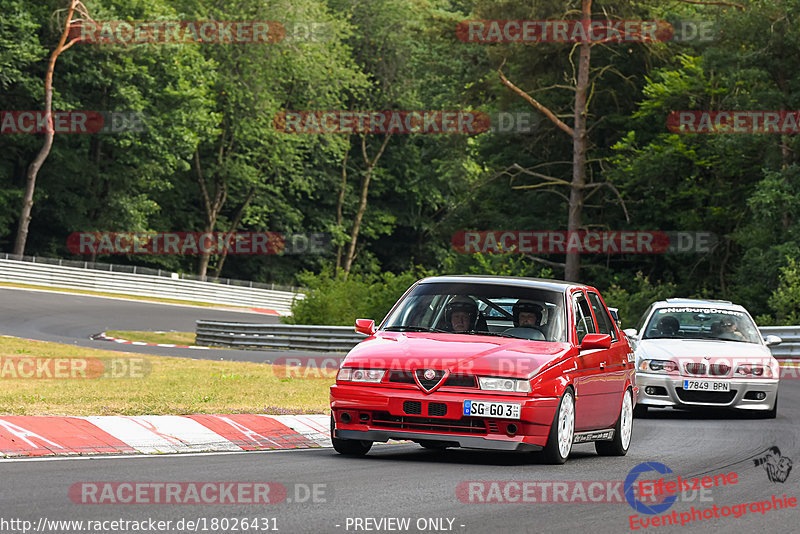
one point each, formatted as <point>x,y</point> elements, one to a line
<point>512,385</point>
<point>658,366</point>
<point>354,374</point>
<point>754,370</point>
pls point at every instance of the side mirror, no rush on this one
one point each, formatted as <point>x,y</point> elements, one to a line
<point>630,332</point>
<point>771,340</point>
<point>365,326</point>
<point>595,341</point>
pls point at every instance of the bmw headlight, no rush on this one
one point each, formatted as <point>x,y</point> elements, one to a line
<point>658,366</point>
<point>510,385</point>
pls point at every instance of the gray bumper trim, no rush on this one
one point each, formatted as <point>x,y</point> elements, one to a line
<point>467,442</point>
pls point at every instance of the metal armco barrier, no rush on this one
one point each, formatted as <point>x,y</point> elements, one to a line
<point>343,338</point>
<point>790,347</point>
<point>276,336</point>
<point>145,285</point>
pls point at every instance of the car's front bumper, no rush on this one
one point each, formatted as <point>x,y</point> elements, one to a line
<point>379,413</point>
<point>669,392</point>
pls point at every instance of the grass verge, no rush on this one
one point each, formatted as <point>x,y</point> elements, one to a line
<point>170,386</point>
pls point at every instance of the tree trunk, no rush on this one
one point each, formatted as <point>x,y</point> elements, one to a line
<point>339,203</point>
<point>573,264</point>
<point>234,224</point>
<point>362,205</point>
<point>212,208</point>
<point>36,164</point>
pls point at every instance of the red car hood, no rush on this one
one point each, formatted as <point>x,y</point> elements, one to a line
<point>459,353</point>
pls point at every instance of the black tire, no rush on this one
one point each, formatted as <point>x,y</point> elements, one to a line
<point>640,410</point>
<point>622,436</point>
<point>349,447</point>
<point>552,452</point>
<point>434,445</point>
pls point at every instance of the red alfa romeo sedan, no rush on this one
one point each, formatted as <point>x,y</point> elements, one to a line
<point>484,362</point>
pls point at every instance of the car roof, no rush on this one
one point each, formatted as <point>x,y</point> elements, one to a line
<point>699,303</point>
<point>539,283</point>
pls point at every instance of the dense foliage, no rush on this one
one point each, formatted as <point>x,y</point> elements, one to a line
<point>210,110</point>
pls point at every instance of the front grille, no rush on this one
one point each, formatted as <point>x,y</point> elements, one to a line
<point>719,369</point>
<point>427,424</point>
<point>493,426</point>
<point>402,377</point>
<point>696,368</point>
<point>429,384</point>
<point>412,407</point>
<point>456,381</point>
<point>460,381</point>
<point>438,409</point>
<point>710,397</point>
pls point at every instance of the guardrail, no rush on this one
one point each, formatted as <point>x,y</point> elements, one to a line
<point>276,336</point>
<point>790,336</point>
<point>343,338</point>
<point>146,285</point>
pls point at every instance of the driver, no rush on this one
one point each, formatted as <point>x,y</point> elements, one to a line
<point>527,314</point>
<point>668,326</point>
<point>462,314</point>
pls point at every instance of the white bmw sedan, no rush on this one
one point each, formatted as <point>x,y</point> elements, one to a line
<point>704,353</point>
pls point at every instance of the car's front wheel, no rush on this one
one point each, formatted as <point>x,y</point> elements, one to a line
<point>562,431</point>
<point>622,431</point>
<point>349,447</point>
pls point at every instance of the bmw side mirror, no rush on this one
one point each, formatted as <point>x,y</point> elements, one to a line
<point>772,340</point>
<point>630,332</point>
<point>365,326</point>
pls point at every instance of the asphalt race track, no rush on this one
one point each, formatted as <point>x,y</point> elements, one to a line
<point>405,481</point>
<point>401,480</point>
<point>71,319</point>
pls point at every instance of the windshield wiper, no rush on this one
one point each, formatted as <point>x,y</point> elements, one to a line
<point>414,329</point>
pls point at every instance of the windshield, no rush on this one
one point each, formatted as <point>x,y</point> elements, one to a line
<point>471,309</point>
<point>701,323</point>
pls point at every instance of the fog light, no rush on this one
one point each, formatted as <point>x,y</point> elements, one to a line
<point>761,395</point>
<point>650,390</point>
<point>363,416</point>
<point>511,429</point>
<point>346,417</point>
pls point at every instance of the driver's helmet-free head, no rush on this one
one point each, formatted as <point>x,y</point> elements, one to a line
<point>526,306</point>
<point>668,325</point>
<point>462,304</point>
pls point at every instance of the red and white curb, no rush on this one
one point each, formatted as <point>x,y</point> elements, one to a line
<point>22,435</point>
<point>103,337</point>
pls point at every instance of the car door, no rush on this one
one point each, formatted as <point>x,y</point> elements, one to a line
<point>615,365</point>
<point>589,375</point>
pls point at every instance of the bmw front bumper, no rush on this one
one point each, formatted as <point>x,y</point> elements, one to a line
<point>667,391</point>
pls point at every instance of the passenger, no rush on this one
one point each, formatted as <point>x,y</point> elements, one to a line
<point>730,329</point>
<point>527,314</point>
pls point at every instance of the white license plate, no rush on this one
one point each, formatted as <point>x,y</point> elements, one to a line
<point>503,410</point>
<point>706,385</point>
